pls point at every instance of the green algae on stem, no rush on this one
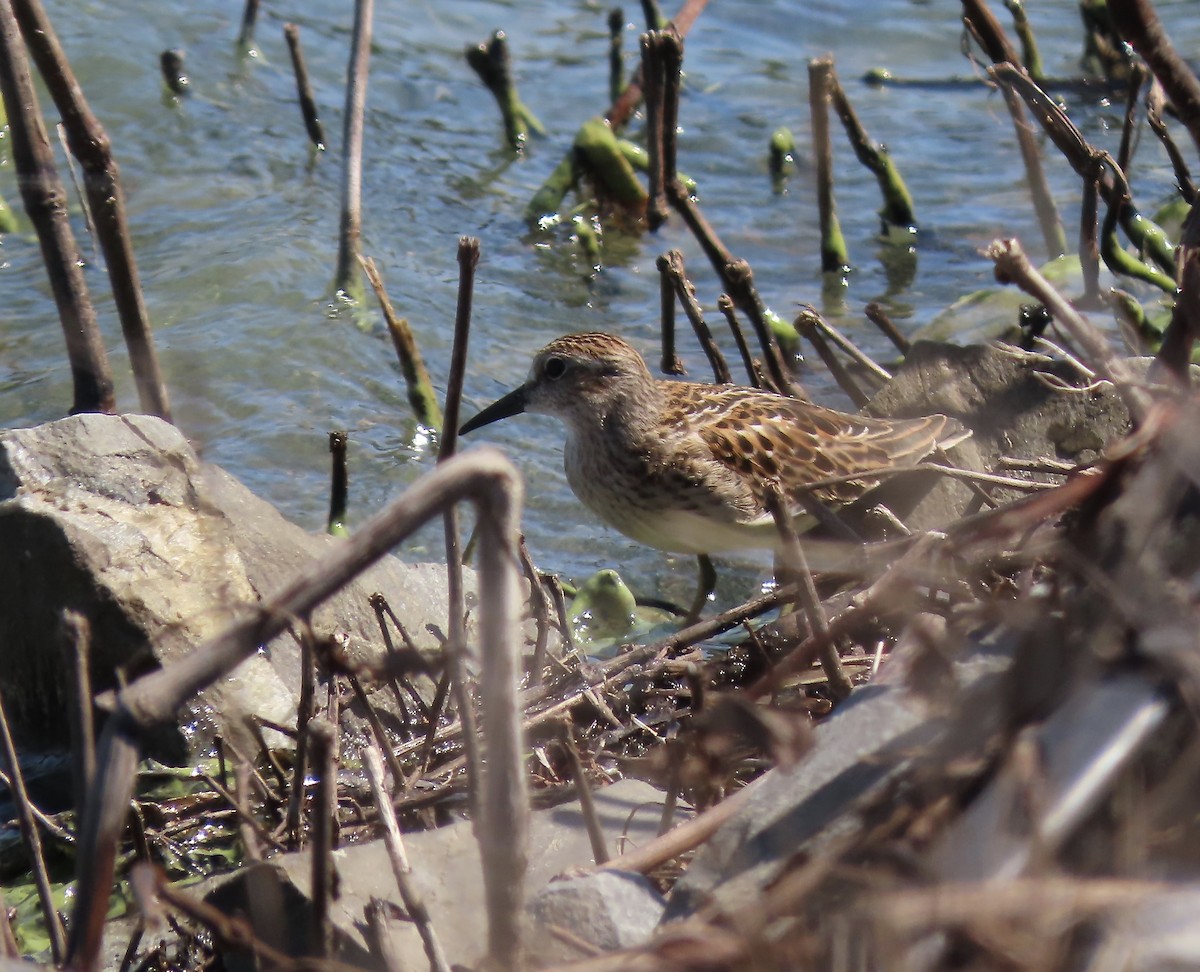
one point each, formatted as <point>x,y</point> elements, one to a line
<point>615,181</point>
<point>492,61</point>
<point>897,201</point>
<point>418,384</point>
<point>1031,58</point>
<point>781,156</point>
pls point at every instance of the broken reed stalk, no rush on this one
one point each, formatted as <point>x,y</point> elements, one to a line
<point>754,376</point>
<point>878,316</point>
<point>32,840</point>
<point>46,204</point>
<point>308,103</point>
<point>80,714</point>
<point>670,365</point>
<point>834,258</point>
<point>323,745</point>
<point>245,39</point>
<point>674,269</point>
<point>382,947</point>
<point>616,71</point>
<point>174,72</point>
<point>418,384</point>
<point>249,829</point>
<point>492,61</point>
<point>807,598</point>
<point>338,485</point>
<point>414,903</point>
<point>483,477</point>
<point>91,146</point>
<point>652,84</point>
<point>1139,25</point>
<point>455,646</point>
<point>376,725</point>
<point>8,941</point>
<point>806,326</point>
<point>539,610</point>
<point>897,200</point>
<point>346,279</point>
<point>306,709</point>
<point>624,107</point>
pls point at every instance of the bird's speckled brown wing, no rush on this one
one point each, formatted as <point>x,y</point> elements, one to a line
<point>774,440</point>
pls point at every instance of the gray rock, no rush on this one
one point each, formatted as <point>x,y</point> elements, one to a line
<point>446,871</point>
<point>867,742</point>
<point>605,909</point>
<point>117,518</point>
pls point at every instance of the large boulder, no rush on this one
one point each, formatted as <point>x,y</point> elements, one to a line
<point>115,517</point>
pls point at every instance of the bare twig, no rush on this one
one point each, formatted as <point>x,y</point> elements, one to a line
<point>323,744</point>
<point>414,904</point>
<point>33,842</point>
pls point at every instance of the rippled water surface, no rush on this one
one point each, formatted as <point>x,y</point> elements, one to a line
<point>235,223</point>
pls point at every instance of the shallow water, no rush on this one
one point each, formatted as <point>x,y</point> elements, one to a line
<point>235,224</point>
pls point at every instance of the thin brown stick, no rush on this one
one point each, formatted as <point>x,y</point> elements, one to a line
<point>840,685</point>
<point>806,326</point>
<point>323,741</point>
<point>306,710</point>
<point>877,316</point>
<point>80,714</point>
<point>583,791</point>
<point>377,730</point>
<point>674,269</point>
<point>754,375</point>
<point>414,904</point>
<point>456,642</point>
<point>32,840</point>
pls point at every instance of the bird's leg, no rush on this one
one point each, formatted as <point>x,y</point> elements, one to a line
<point>708,584</point>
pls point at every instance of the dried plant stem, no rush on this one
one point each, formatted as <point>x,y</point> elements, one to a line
<point>346,279</point>
<point>672,266</point>
<point>1138,24</point>
<point>46,203</point>
<point>840,685</point>
<point>155,698</point>
<point>652,84</point>
<point>414,904</point>
<point>456,641</point>
<point>877,316</point>
<point>305,711</point>
<point>91,146</point>
<point>323,744</point>
<point>80,710</point>
<point>33,841</point>
<point>584,791</point>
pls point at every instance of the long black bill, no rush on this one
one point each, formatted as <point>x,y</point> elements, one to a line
<point>511,404</point>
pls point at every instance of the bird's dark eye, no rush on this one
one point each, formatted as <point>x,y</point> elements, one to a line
<point>554,368</point>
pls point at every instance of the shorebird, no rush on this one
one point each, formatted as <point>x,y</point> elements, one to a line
<point>690,468</point>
